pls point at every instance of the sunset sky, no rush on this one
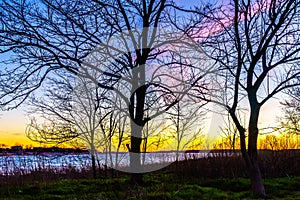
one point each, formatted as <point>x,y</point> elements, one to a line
<point>13,123</point>
<point>12,127</point>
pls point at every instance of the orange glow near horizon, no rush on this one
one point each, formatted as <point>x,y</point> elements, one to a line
<point>13,125</point>
<point>17,140</point>
<point>12,128</point>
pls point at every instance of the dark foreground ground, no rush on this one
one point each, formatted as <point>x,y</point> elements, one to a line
<point>156,186</point>
<point>209,178</point>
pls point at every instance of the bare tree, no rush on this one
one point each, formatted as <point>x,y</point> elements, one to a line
<point>71,108</point>
<point>256,45</point>
<point>155,136</point>
<point>186,120</point>
<point>230,133</point>
<point>114,129</point>
<point>119,39</point>
<point>290,122</point>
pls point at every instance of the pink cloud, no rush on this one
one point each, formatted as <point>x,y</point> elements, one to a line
<point>225,18</point>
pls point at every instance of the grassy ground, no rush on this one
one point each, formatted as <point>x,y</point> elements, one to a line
<point>206,178</point>
<point>161,185</point>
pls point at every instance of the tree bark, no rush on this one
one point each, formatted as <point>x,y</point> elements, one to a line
<point>93,157</point>
<point>258,188</point>
<point>135,161</point>
<point>135,153</point>
<point>136,110</point>
<point>257,185</point>
<point>94,166</point>
<point>250,154</point>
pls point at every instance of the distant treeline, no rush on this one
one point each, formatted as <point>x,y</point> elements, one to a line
<point>36,150</point>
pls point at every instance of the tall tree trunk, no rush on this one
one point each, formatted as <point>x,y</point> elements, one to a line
<point>135,154</point>
<point>253,165</point>
<point>93,151</point>
<point>136,110</point>
<point>250,156</point>
<point>135,161</point>
<point>254,169</point>
<point>94,166</point>
<point>256,179</point>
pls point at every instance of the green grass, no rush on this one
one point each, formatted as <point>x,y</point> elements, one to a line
<point>157,186</point>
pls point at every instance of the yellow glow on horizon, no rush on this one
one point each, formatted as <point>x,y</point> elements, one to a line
<point>12,128</point>
<point>13,125</point>
<point>16,140</point>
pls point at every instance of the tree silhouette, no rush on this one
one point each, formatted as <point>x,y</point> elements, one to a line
<point>69,113</point>
<point>129,45</point>
<point>256,46</point>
